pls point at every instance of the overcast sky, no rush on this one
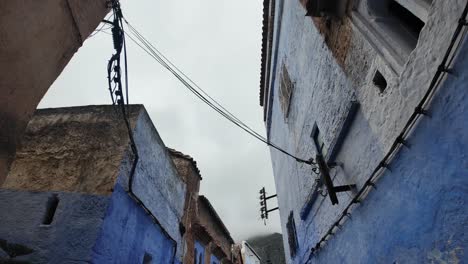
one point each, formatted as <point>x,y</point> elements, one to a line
<point>217,44</point>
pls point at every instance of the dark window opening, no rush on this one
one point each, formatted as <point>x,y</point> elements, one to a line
<point>379,81</point>
<point>52,204</point>
<point>292,235</point>
<point>286,89</point>
<point>195,256</point>
<point>407,19</point>
<point>147,259</point>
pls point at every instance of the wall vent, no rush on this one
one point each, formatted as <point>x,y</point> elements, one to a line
<point>379,81</point>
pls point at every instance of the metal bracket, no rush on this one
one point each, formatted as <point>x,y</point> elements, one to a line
<point>325,175</point>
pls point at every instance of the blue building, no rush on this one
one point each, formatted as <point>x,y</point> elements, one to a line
<point>378,89</point>
<point>67,197</point>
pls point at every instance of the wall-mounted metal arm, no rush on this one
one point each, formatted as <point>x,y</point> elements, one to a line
<point>263,203</point>
<point>325,177</point>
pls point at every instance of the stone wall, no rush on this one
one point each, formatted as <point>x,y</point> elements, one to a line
<point>327,83</point>
<point>75,149</point>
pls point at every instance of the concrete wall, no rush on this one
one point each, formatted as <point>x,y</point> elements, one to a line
<point>38,38</point>
<point>68,239</point>
<point>327,78</point>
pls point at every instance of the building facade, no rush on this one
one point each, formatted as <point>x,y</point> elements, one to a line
<point>206,238</point>
<point>367,85</point>
<point>67,198</point>
<point>249,256</point>
<point>269,248</point>
<point>77,193</point>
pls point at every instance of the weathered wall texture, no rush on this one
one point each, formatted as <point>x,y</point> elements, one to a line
<point>82,151</point>
<point>201,223</point>
<point>156,181</point>
<point>128,235</point>
<point>37,39</point>
<point>326,83</point>
<point>68,239</point>
<point>221,240</point>
<point>419,213</point>
<point>189,173</point>
<point>76,149</point>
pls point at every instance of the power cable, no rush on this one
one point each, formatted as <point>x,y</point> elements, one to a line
<point>153,52</point>
<point>114,66</point>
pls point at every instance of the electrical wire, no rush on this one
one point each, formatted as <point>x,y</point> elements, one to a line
<point>101,28</point>
<point>153,52</point>
<point>113,65</point>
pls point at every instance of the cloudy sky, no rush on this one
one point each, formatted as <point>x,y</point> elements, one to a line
<point>217,44</point>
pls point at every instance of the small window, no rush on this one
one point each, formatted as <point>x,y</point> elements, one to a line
<point>393,26</point>
<point>147,259</point>
<point>408,21</point>
<point>292,235</point>
<point>379,81</point>
<point>318,141</point>
<point>51,208</point>
<point>286,89</point>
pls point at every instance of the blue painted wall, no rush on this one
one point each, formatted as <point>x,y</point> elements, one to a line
<point>68,239</point>
<point>405,221</point>
<point>85,228</point>
<point>419,214</point>
<point>103,229</point>
<point>214,260</point>
<point>128,233</point>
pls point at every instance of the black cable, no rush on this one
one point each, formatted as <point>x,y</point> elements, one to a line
<point>182,73</point>
<point>126,62</point>
<point>114,65</point>
<point>200,93</point>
